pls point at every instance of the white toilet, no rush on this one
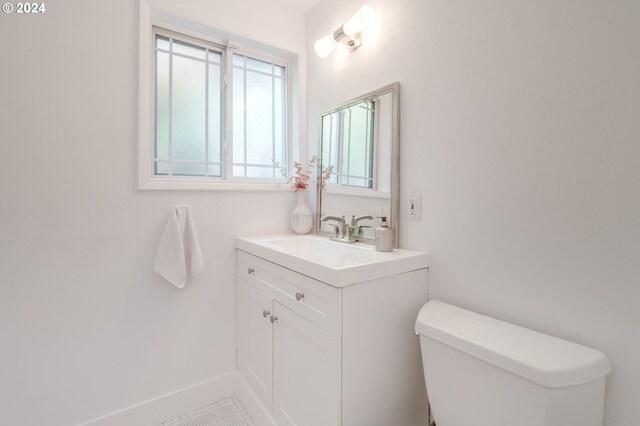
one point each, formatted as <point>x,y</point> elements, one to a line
<point>481,371</point>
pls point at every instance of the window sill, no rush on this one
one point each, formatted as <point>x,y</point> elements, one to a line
<point>362,192</point>
<point>200,185</point>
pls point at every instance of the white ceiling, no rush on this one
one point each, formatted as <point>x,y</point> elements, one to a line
<point>299,5</point>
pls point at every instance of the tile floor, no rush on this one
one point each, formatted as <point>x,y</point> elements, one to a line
<point>226,412</point>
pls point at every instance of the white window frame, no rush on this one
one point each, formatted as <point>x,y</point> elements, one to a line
<point>149,27</point>
<point>230,163</point>
<point>171,35</point>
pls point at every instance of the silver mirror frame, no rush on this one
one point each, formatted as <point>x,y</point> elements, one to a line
<point>394,218</point>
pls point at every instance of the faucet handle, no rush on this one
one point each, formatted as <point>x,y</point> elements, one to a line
<point>355,219</point>
<point>357,230</point>
<point>336,228</point>
<point>334,218</point>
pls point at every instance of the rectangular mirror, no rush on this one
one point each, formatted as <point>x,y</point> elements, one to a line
<point>360,139</point>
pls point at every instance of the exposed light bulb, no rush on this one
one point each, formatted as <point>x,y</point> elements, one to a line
<point>347,34</point>
<point>325,46</point>
<point>364,18</point>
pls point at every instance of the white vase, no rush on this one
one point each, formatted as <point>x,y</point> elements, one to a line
<point>301,217</point>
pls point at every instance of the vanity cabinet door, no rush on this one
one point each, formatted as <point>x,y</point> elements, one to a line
<point>255,339</point>
<point>307,372</point>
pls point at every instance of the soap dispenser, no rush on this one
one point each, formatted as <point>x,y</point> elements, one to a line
<point>384,235</point>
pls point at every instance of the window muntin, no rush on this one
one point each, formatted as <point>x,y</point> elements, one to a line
<point>188,110</point>
<point>259,117</point>
<point>192,82</point>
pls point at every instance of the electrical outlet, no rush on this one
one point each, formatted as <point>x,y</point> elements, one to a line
<point>414,206</point>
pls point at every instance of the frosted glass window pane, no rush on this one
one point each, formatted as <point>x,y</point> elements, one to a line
<point>330,144</point>
<point>162,42</point>
<point>335,151</point>
<point>162,168</point>
<point>238,116</point>
<point>358,141</point>
<point>345,140</point>
<point>357,182</point>
<point>188,169</point>
<point>259,116</point>
<point>162,106</point>
<point>358,145</point>
<point>238,171</point>
<point>326,141</point>
<point>188,49</point>
<point>254,64</point>
<point>259,110</point>
<point>215,116</point>
<point>188,99</point>
<point>369,144</point>
<point>238,60</point>
<point>260,172</point>
<point>190,109</point>
<point>214,171</point>
<point>215,57</point>
<point>279,121</point>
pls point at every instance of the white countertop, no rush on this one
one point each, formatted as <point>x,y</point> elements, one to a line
<point>337,264</point>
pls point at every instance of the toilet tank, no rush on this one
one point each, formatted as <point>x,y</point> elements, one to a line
<point>481,371</point>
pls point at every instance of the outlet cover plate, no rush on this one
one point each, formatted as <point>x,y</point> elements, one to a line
<point>414,206</point>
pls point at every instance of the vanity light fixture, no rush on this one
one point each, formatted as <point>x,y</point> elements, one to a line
<point>348,33</point>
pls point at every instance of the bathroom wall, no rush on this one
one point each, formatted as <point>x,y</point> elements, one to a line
<point>520,129</point>
<point>86,326</point>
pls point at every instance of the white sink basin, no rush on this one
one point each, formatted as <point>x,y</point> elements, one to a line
<point>334,263</point>
<point>316,247</point>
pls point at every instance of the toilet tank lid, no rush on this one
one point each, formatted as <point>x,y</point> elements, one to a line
<point>543,359</point>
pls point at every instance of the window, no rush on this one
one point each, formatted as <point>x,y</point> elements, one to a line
<point>188,109</point>
<point>219,113</point>
<point>348,144</point>
<point>259,117</point>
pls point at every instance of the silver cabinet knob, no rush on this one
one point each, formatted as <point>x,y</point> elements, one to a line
<point>265,313</point>
<point>250,271</point>
<point>273,318</point>
<point>299,296</point>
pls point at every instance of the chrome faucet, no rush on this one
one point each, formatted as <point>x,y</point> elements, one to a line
<point>341,231</point>
<point>356,230</point>
<point>346,233</point>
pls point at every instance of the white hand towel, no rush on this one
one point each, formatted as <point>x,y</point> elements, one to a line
<point>179,251</point>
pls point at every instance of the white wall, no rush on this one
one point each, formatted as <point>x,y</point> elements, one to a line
<point>520,129</point>
<point>86,326</point>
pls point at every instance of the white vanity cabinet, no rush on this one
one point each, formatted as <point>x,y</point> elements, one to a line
<point>306,372</point>
<point>284,354</point>
<point>321,354</point>
<point>278,347</point>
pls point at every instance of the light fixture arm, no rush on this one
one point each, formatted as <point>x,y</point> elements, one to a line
<point>341,37</point>
<point>348,33</point>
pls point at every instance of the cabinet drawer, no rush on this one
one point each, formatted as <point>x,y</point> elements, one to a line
<point>317,302</point>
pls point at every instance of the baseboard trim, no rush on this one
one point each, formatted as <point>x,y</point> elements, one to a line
<point>182,401</point>
<point>260,414</point>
